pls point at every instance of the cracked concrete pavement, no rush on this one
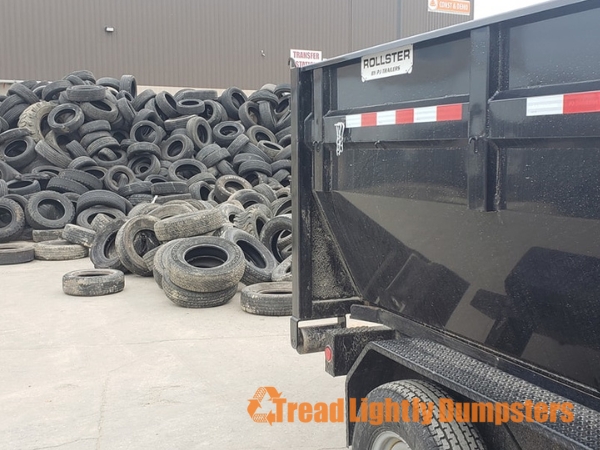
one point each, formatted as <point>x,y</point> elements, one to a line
<point>134,371</point>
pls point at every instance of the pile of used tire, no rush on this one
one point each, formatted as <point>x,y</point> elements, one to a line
<point>191,188</point>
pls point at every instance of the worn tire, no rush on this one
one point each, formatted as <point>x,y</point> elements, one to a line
<point>12,220</point>
<point>59,250</point>
<point>14,253</point>
<point>133,240</point>
<point>267,299</point>
<point>103,252</point>
<point>283,271</point>
<point>413,434</point>
<point>57,210</point>
<point>189,225</point>
<point>229,184</point>
<point>102,198</point>
<point>93,282</point>
<point>189,299</point>
<point>205,264</point>
<point>34,119</point>
<point>76,234</point>
<point>260,263</point>
<point>272,231</point>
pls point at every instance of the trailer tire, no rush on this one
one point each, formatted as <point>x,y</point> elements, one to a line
<point>267,299</point>
<point>437,435</point>
<point>93,282</point>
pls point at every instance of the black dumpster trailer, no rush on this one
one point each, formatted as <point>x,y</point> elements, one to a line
<point>447,189</point>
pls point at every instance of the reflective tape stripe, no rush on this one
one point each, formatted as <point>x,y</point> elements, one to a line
<point>427,114</point>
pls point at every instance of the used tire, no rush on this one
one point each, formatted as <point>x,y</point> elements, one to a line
<point>229,184</point>
<point>272,232</point>
<point>413,434</point>
<point>12,220</point>
<point>267,299</point>
<point>49,210</point>
<point>136,238</point>
<point>16,253</point>
<point>260,263</point>
<point>103,252</point>
<point>189,299</point>
<point>283,271</point>
<point>189,225</point>
<point>205,264</point>
<point>59,250</point>
<point>93,282</point>
<point>78,235</point>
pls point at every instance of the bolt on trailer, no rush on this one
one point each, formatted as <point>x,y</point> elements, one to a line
<point>447,190</point>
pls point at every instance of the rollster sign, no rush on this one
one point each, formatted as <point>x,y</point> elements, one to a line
<point>387,64</point>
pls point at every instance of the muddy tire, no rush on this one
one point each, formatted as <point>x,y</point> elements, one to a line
<point>190,299</point>
<point>267,299</point>
<point>34,119</point>
<point>136,238</point>
<point>78,235</point>
<point>283,272</point>
<point>16,253</point>
<point>59,250</point>
<point>93,282</point>
<point>12,220</point>
<point>205,264</point>
<point>260,263</point>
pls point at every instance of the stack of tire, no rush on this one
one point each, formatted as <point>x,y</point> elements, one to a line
<point>89,166</point>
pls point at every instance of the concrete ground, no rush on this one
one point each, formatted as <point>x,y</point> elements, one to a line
<point>134,371</point>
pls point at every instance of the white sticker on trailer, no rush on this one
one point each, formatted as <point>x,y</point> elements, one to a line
<point>387,64</point>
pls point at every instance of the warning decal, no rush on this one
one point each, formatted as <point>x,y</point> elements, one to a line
<point>387,64</point>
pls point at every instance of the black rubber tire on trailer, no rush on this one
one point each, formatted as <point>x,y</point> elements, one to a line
<point>260,263</point>
<point>267,299</point>
<point>93,282</point>
<point>60,210</point>
<point>135,238</point>
<point>59,250</point>
<point>436,435</point>
<point>103,252</point>
<point>190,224</point>
<point>189,299</point>
<point>205,264</point>
<point>14,253</point>
<point>76,234</point>
<point>12,220</point>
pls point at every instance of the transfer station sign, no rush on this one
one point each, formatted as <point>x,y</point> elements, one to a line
<point>387,64</point>
<point>461,7</point>
<point>303,58</point>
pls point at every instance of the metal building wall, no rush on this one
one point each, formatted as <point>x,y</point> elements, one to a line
<point>200,43</point>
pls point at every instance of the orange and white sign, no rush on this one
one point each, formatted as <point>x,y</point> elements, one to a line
<point>461,7</point>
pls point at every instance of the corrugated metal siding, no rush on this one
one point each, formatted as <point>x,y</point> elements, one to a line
<point>202,43</point>
<point>416,19</point>
<point>373,22</point>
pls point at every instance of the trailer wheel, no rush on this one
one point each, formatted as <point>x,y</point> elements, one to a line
<point>407,435</point>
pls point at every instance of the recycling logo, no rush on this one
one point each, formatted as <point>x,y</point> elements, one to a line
<point>255,404</point>
<point>433,4</point>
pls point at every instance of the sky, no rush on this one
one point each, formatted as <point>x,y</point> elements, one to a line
<point>485,8</point>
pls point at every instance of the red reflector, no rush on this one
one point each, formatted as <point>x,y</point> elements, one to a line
<point>369,119</point>
<point>405,116</point>
<point>449,112</point>
<point>328,353</point>
<point>583,102</point>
